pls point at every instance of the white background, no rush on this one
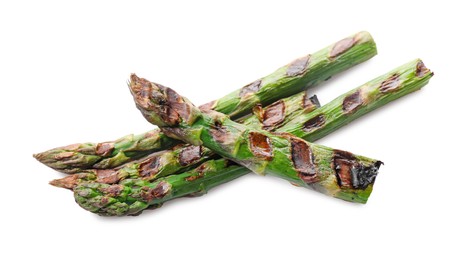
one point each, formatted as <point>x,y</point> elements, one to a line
<point>64,67</point>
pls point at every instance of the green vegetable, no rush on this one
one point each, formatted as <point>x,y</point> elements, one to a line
<point>184,157</point>
<point>337,173</point>
<point>215,172</point>
<point>305,72</point>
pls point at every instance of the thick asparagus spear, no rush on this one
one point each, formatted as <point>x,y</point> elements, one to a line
<point>333,172</point>
<point>133,198</point>
<point>184,157</point>
<point>305,72</point>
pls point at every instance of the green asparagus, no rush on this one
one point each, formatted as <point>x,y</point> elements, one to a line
<point>184,157</point>
<point>96,198</point>
<point>333,172</point>
<point>305,72</point>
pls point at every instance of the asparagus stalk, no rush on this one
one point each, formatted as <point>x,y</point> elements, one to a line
<point>184,157</point>
<point>337,173</point>
<point>304,72</point>
<point>133,199</point>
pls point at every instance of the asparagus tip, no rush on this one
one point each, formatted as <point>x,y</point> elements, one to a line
<point>68,182</point>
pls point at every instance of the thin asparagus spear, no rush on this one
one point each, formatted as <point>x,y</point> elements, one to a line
<point>333,172</point>
<point>184,157</point>
<point>132,200</point>
<point>304,72</point>
<point>399,82</point>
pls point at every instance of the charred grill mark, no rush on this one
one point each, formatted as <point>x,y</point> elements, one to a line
<point>108,176</point>
<point>390,84</point>
<point>160,191</point>
<point>208,106</point>
<point>250,88</point>
<point>298,66</point>
<point>314,123</point>
<point>352,102</point>
<point>113,190</point>
<point>260,145</point>
<point>104,149</point>
<point>352,174</point>
<point>190,155</point>
<point>219,133</point>
<point>198,175</point>
<point>310,102</point>
<point>273,115</point>
<point>182,109</point>
<point>341,47</point>
<point>421,70</point>
<point>169,115</point>
<point>149,167</point>
<point>303,160</point>
<point>63,155</point>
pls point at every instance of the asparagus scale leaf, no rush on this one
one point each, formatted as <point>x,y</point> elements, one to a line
<point>134,198</point>
<point>290,79</point>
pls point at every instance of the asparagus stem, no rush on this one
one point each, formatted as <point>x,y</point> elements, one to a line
<point>90,195</point>
<point>184,157</point>
<point>307,71</point>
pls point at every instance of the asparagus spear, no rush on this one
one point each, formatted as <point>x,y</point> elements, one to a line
<point>184,157</point>
<point>212,173</point>
<point>333,172</point>
<point>304,72</point>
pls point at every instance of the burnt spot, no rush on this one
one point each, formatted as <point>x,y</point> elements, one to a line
<point>195,176</point>
<point>107,176</point>
<point>352,102</point>
<point>169,115</point>
<point>160,191</point>
<point>190,155</point>
<point>260,145</point>
<point>171,95</point>
<point>350,173</point>
<point>149,167</point>
<point>182,109</point>
<point>303,160</point>
<point>208,106</point>
<point>421,70</point>
<point>219,133</point>
<point>342,46</point>
<point>390,84</point>
<point>68,182</point>
<point>273,115</point>
<point>173,132</point>
<point>104,149</point>
<point>113,190</point>
<point>310,102</point>
<point>63,155</point>
<point>298,66</point>
<point>250,88</point>
<point>314,123</point>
